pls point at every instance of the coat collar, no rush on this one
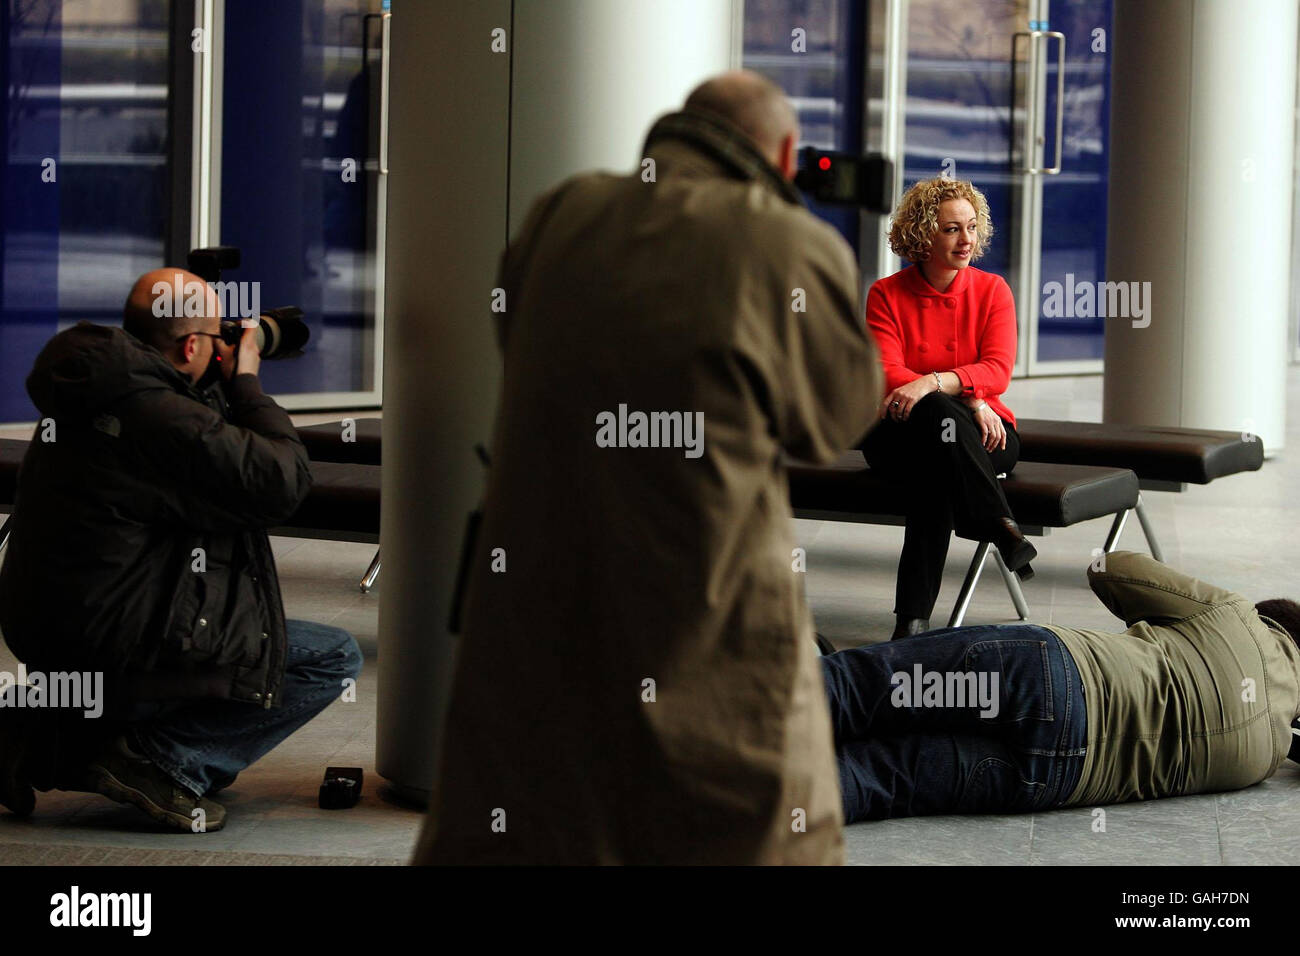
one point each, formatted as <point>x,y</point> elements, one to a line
<point>918,283</point>
<point>725,144</point>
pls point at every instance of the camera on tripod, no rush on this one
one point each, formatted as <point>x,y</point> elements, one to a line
<point>281,332</point>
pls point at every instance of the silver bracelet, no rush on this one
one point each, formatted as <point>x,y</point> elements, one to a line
<point>938,380</point>
<point>982,404</point>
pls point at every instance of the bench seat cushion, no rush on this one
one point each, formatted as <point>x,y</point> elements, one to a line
<point>1153,452</point>
<point>11,457</point>
<point>1047,495</point>
<point>344,497</point>
<point>325,442</point>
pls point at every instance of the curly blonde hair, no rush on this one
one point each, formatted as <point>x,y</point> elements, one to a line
<point>913,226</point>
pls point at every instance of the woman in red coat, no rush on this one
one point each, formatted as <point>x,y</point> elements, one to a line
<point>947,338</point>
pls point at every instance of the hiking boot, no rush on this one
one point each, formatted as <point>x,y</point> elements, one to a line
<point>127,777</point>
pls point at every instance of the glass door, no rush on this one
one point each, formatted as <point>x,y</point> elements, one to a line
<point>84,173</point>
<point>300,186</point>
<point>1067,69</point>
<point>813,49</point>
<point>1013,95</point>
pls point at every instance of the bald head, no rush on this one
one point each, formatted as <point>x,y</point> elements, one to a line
<point>752,102</point>
<point>166,304</point>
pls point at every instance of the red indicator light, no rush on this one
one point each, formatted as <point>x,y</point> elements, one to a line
<point>824,163</point>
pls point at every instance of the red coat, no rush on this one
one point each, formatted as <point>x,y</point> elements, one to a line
<point>970,330</point>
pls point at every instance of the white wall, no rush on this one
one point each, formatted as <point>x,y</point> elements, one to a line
<point>1202,144</point>
<point>590,76</point>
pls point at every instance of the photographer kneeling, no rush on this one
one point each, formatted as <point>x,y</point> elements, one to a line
<point>139,550</point>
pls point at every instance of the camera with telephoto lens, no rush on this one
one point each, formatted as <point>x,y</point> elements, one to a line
<point>281,332</point>
<point>845,179</point>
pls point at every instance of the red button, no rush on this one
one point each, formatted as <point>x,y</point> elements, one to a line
<point>952,345</point>
<point>925,303</point>
<point>924,347</point>
<point>950,303</point>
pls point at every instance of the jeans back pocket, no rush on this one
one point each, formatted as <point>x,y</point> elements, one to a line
<point>1019,676</point>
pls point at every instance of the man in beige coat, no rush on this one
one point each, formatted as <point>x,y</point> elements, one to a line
<point>637,680</point>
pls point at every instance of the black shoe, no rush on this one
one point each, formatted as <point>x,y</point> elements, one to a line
<point>127,777</point>
<point>823,645</point>
<point>1015,549</point>
<point>909,627</point>
<point>16,793</point>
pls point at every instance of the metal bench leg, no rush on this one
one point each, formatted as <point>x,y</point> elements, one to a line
<point>4,532</point>
<point>1116,529</point>
<point>1013,586</point>
<point>1148,530</point>
<point>372,572</point>
<point>968,586</point>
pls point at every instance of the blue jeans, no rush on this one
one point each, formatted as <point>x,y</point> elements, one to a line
<point>203,745</point>
<point>1002,729</point>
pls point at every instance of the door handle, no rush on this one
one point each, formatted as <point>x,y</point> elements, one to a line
<point>385,31</point>
<point>1033,121</point>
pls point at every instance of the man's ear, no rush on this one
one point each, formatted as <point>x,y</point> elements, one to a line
<point>189,348</point>
<point>786,160</point>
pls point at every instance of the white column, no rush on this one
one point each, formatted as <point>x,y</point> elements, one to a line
<point>1202,142</point>
<point>592,75</point>
<point>469,129</point>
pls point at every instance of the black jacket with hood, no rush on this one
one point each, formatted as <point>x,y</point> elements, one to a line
<point>138,543</point>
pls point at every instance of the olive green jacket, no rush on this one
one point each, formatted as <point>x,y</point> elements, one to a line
<point>1197,696</point>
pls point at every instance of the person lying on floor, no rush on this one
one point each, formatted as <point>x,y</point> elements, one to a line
<point>1199,695</point>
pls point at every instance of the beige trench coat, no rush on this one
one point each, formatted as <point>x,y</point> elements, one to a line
<point>639,682</point>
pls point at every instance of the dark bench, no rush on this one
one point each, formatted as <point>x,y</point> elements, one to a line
<point>1087,455</point>
<point>356,441</point>
<point>343,504</point>
<point>11,456</point>
<point>1042,496</point>
<point>1164,459</point>
<point>361,444</point>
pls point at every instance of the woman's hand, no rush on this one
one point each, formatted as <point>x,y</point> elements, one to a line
<point>898,403</point>
<point>993,432</point>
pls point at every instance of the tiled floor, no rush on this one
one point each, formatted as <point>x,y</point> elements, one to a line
<point>1238,532</point>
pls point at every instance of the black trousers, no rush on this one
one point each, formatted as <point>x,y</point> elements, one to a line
<point>951,484</point>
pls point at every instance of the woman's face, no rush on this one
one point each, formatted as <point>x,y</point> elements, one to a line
<point>952,245</point>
